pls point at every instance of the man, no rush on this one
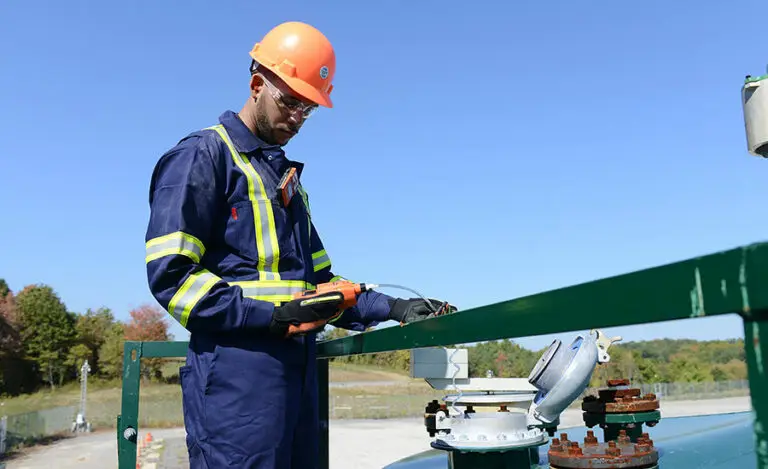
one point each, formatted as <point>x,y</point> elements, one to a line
<point>226,250</point>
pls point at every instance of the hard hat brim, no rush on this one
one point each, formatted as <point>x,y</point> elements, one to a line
<point>304,90</point>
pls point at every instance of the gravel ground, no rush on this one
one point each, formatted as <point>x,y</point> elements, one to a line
<point>355,444</point>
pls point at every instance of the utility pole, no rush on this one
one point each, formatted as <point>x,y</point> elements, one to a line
<point>81,424</point>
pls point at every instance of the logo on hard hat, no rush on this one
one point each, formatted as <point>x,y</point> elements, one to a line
<point>323,72</point>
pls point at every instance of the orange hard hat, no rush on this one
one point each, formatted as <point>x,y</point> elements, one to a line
<point>302,57</point>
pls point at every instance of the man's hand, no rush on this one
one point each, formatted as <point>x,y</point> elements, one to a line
<point>300,316</point>
<point>415,309</point>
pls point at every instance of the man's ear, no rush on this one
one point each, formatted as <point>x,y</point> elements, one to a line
<point>257,83</point>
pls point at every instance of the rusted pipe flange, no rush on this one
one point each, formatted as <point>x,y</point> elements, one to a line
<point>620,454</point>
<point>621,405</point>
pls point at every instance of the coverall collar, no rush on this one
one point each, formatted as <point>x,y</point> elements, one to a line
<point>246,142</point>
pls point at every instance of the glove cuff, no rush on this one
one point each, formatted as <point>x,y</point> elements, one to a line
<point>396,309</point>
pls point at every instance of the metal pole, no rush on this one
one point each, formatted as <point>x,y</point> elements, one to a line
<point>84,386</point>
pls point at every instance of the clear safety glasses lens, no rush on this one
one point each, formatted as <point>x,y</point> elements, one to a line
<point>305,110</point>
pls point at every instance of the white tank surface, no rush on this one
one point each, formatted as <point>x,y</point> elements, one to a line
<point>754,100</point>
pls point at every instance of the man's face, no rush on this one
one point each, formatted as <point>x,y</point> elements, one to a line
<point>280,112</point>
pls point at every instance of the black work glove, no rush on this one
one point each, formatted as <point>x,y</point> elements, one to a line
<point>294,318</point>
<point>415,309</point>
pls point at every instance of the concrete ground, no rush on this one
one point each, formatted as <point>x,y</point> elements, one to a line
<point>355,444</point>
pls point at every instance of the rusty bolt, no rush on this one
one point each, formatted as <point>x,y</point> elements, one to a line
<point>611,444</point>
<point>555,441</point>
<point>650,396</point>
<point>618,382</point>
<point>564,437</point>
<point>590,438</point>
<point>646,436</point>
<point>613,451</point>
<point>575,451</point>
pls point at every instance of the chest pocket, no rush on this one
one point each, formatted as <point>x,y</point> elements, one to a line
<point>258,226</point>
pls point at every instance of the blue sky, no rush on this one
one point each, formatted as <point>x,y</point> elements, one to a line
<point>487,152</point>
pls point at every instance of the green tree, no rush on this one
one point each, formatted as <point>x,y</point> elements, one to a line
<point>111,352</point>
<point>4,289</point>
<point>47,331</point>
<point>148,323</point>
<point>92,328</point>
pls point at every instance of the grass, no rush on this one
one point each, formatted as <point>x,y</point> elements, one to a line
<point>160,404</point>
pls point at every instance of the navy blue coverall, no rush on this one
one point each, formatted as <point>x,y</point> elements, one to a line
<point>221,251</point>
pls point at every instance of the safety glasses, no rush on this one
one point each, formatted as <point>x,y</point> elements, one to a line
<point>289,103</point>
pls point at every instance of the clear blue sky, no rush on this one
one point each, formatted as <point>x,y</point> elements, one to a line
<point>490,151</point>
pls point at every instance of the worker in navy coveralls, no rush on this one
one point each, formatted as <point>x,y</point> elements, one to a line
<point>225,253</point>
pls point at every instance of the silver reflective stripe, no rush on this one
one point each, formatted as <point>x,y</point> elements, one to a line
<point>320,260</point>
<point>196,285</point>
<point>174,243</point>
<point>252,289</point>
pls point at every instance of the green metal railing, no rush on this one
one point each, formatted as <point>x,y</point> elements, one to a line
<point>728,282</point>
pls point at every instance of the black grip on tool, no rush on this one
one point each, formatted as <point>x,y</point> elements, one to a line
<point>305,310</point>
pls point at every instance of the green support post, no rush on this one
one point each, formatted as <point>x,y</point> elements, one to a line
<point>754,312</point>
<point>757,361</point>
<point>128,420</point>
<point>323,395</point>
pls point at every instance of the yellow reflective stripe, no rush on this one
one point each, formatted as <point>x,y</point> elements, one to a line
<point>193,288</point>
<point>263,217</point>
<point>172,244</point>
<point>337,278</point>
<point>320,260</point>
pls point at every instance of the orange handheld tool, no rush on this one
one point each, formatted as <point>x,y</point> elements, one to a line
<point>288,186</point>
<point>343,290</point>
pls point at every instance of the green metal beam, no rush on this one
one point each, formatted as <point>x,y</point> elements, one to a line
<point>164,349</point>
<point>719,283</point>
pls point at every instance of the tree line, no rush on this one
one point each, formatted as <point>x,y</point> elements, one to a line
<point>43,344</point>
<point>644,362</point>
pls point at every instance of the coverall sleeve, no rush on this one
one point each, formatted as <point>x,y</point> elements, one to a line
<point>186,198</point>
<point>372,306</point>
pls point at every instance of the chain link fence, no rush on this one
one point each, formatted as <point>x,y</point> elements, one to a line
<point>29,427</point>
<point>694,391</point>
<point>411,403</point>
<point>3,432</point>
